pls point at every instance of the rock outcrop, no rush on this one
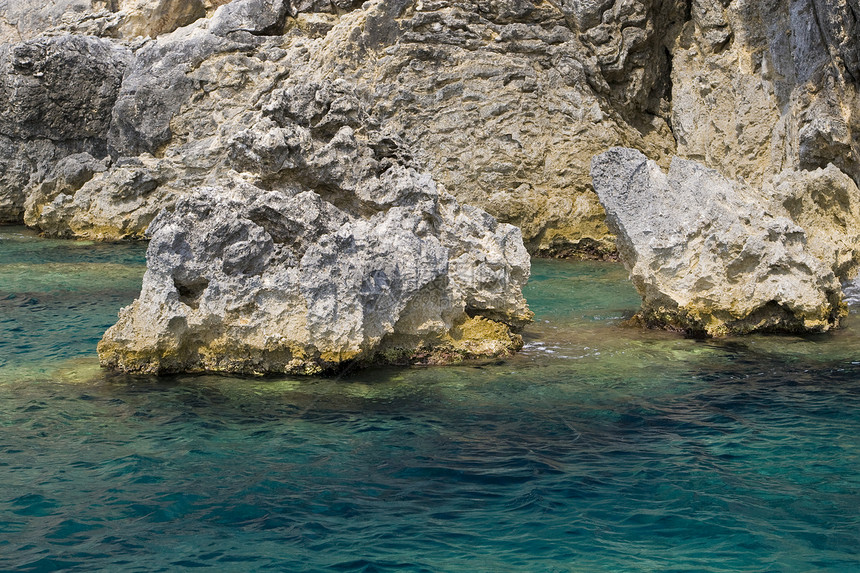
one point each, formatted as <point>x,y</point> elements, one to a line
<point>506,102</point>
<point>321,245</point>
<point>115,110</point>
<point>708,256</point>
<point>57,95</point>
<point>251,281</point>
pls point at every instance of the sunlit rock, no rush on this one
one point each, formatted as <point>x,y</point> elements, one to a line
<point>705,253</point>
<point>341,251</point>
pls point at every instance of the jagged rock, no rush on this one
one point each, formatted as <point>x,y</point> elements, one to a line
<point>760,87</point>
<point>56,97</point>
<point>153,114</point>
<point>826,204</point>
<point>22,20</point>
<point>156,87</point>
<point>706,255</point>
<point>341,251</point>
<point>253,281</point>
<point>83,197</point>
<point>505,102</point>
<point>495,101</point>
<point>59,88</point>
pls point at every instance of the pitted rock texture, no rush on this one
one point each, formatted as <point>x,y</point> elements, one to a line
<point>826,203</point>
<point>56,98</point>
<point>252,281</point>
<point>760,87</point>
<point>504,101</point>
<point>707,256</point>
<point>321,245</point>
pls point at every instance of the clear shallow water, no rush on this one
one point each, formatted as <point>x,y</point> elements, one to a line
<point>599,448</point>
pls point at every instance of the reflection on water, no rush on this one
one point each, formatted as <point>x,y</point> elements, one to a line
<point>598,448</point>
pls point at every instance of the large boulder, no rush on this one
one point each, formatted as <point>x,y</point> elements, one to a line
<point>321,244</point>
<point>708,256</point>
<point>251,281</point>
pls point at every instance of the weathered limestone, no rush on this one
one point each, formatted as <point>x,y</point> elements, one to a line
<point>339,251</point>
<point>503,102</point>
<point>764,86</point>
<point>56,97</point>
<point>708,256</point>
<point>506,102</point>
<point>251,281</point>
<point>826,204</point>
<point>83,197</point>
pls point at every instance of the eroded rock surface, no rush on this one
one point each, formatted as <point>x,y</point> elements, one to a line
<point>322,244</point>
<point>56,99</point>
<point>251,281</point>
<point>504,102</point>
<point>760,87</point>
<point>708,256</point>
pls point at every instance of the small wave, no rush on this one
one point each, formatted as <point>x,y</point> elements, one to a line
<point>851,291</point>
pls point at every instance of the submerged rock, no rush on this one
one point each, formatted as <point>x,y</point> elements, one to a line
<point>707,256</point>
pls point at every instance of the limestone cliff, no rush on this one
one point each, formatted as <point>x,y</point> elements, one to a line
<point>502,101</point>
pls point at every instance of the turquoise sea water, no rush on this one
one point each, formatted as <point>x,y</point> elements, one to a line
<point>598,448</point>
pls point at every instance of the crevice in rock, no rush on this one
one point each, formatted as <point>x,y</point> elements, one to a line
<point>667,94</point>
<point>190,292</point>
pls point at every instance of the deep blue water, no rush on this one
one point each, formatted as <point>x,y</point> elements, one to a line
<point>599,448</point>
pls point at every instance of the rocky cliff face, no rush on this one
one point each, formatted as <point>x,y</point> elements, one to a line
<point>503,101</point>
<point>113,110</point>
<point>57,94</point>
<point>759,87</point>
